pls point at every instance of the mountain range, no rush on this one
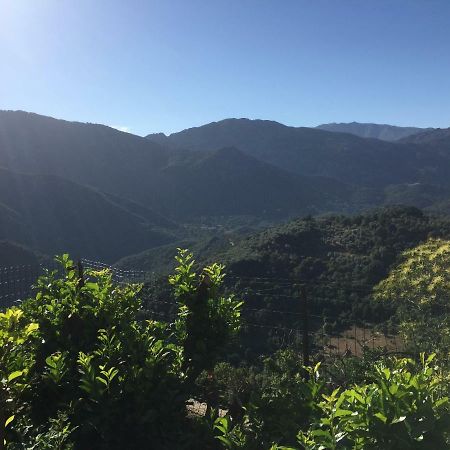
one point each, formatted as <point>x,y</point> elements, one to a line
<point>310,151</point>
<point>98,192</point>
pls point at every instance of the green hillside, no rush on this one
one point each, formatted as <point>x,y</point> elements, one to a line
<point>339,259</point>
<point>53,215</point>
<point>13,254</point>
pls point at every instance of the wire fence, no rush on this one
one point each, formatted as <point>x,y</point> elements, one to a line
<point>120,275</point>
<point>292,324</point>
<point>16,283</point>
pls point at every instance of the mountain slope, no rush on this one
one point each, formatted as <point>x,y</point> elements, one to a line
<point>89,154</point>
<point>53,215</point>
<point>230,182</point>
<point>13,254</point>
<point>372,130</point>
<point>438,136</point>
<point>278,171</point>
<point>348,158</point>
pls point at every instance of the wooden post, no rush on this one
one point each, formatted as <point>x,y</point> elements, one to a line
<point>304,300</point>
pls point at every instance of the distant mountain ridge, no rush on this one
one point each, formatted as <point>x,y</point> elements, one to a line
<point>373,130</point>
<point>88,154</point>
<point>312,151</point>
<point>439,136</point>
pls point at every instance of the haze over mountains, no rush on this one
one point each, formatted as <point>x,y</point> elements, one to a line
<point>99,192</point>
<point>373,130</point>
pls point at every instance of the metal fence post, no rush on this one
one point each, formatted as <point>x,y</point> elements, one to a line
<point>304,300</point>
<point>80,274</point>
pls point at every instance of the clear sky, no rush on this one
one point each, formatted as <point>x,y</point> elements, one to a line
<point>165,65</point>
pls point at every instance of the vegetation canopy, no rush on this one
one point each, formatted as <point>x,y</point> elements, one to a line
<point>81,367</point>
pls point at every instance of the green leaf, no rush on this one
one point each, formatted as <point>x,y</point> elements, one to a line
<point>102,380</point>
<point>381,416</point>
<point>320,432</point>
<point>31,328</point>
<point>9,420</point>
<point>399,419</point>
<point>343,412</point>
<point>441,401</point>
<point>14,375</point>
<point>225,440</point>
<point>393,389</point>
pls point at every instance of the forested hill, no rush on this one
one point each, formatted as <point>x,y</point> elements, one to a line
<point>338,258</point>
<point>228,182</point>
<point>440,136</point>
<point>88,154</point>
<point>373,130</point>
<point>12,254</point>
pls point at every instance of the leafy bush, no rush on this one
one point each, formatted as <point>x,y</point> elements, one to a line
<point>16,362</point>
<point>207,322</point>
<point>79,368</point>
<point>275,400</point>
<point>94,361</point>
<point>404,408</point>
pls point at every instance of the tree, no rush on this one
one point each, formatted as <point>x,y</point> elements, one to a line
<point>420,286</point>
<point>207,321</point>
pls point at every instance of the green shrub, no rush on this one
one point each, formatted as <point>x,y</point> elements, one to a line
<point>115,380</point>
<point>276,399</point>
<point>406,407</point>
<point>80,369</point>
<point>207,321</point>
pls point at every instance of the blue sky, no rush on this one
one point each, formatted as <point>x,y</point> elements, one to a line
<point>165,65</point>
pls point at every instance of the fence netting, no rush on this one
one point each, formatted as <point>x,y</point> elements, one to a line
<point>265,328</point>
